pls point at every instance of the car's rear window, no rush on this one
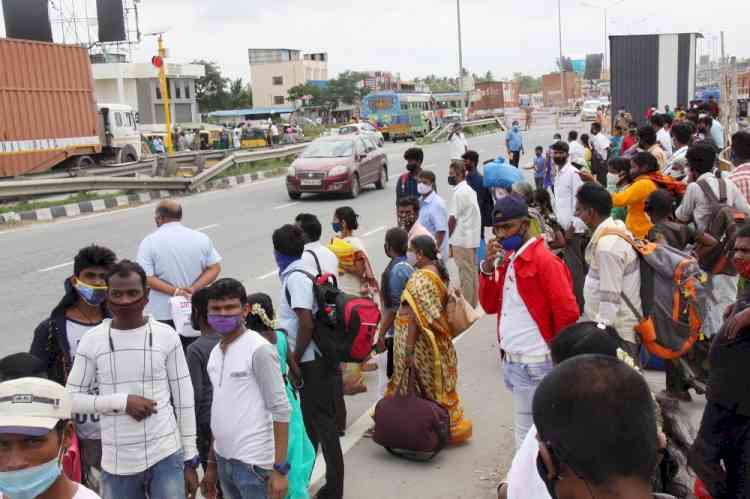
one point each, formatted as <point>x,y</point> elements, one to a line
<point>329,149</point>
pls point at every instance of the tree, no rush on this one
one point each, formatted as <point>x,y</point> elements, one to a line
<point>348,88</point>
<point>240,95</point>
<point>210,90</point>
<point>488,76</point>
<point>527,84</point>
<point>299,92</point>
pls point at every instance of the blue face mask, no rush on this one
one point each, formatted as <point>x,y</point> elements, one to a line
<point>283,261</point>
<point>336,226</point>
<point>93,295</point>
<point>512,243</point>
<point>30,482</point>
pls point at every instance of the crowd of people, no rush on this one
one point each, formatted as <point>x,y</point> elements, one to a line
<point>149,369</point>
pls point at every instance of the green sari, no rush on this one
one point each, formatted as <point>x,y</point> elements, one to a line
<point>300,452</point>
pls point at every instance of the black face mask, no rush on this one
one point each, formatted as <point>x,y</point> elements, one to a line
<point>452,180</point>
<point>541,468</point>
<point>128,311</point>
<point>411,167</point>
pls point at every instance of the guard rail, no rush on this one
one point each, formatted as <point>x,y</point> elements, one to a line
<point>13,189</point>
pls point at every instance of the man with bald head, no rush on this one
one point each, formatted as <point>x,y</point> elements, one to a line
<point>178,262</point>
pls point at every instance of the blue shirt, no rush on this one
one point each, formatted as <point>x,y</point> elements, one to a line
<point>434,217</point>
<point>301,296</point>
<point>514,139</point>
<point>177,255</point>
<point>398,276</point>
<point>539,166</point>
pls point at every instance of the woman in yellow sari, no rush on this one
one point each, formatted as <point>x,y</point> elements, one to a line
<point>424,340</point>
<point>355,277</point>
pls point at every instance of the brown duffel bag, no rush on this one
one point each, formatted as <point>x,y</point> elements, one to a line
<point>409,426</point>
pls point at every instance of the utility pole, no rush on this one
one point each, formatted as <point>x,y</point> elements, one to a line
<point>460,63</point>
<point>164,84</point>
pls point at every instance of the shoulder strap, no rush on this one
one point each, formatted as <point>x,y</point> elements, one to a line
<point>286,288</point>
<point>708,192</point>
<point>317,262</point>
<point>722,187</point>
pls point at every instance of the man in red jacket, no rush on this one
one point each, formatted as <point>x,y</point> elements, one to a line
<point>531,291</point>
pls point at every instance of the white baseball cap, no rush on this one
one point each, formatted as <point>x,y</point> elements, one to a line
<point>32,406</point>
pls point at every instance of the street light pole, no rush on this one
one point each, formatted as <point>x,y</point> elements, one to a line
<point>460,63</point>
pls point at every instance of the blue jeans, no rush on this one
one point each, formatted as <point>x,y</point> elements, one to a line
<point>522,380</point>
<point>164,479</point>
<point>242,481</point>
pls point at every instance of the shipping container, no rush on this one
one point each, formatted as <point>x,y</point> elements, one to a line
<point>652,71</point>
<point>47,108</point>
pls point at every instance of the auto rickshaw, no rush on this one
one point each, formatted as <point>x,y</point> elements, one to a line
<point>253,138</point>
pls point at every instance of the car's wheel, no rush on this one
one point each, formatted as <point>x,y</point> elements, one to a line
<point>294,195</point>
<point>356,188</point>
<point>380,184</point>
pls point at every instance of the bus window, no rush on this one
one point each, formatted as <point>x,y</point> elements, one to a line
<point>118,119</point>
<point>404,106</point>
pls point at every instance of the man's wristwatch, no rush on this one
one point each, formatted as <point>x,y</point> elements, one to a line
<point>193,463</point>
<point>283,468</point>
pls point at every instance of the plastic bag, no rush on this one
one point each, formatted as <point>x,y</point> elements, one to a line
<point>501,174</point>
<point>181,308</point>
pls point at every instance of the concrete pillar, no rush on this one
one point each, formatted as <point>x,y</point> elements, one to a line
<point>120,90</point>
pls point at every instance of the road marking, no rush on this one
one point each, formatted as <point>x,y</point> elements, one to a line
<point>54,267</point>
<point>373,231</point>
<point>357,430</point>
<point>288,205</point>
<point>207,227</point>
<point>266,276</point>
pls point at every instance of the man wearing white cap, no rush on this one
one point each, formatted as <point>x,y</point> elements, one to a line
<point>35,431</point>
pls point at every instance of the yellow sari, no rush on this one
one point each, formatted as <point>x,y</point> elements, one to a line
<point>435,356</point>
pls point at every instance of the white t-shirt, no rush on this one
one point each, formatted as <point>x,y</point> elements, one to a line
<point>87,425</point>
<point>601,144</point>
<point>665,141</point>
<point>82,493</point>
<point>329,264</point>
<point>577,153</point>
<point>519,333</point>
<point>177,255</point>
<point>523,478</point>
<point>148,362</point>
<point>458,145</point>
<point>465,208</point>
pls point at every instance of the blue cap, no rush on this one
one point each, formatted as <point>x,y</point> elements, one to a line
<point>509,207</point>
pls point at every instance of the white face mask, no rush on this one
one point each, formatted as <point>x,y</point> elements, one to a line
<point>411,257</point>
<point>424,189</point>
<point>612,179</point>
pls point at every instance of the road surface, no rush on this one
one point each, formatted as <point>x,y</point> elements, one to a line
<point>37,259</point>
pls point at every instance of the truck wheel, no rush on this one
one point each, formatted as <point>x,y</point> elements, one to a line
<point>80,163</point>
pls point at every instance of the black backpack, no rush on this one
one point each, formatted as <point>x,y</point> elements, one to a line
<point>344,325</point>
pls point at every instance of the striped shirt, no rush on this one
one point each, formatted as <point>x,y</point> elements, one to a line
<point>613,270</point>
<point>148,362</point>
<point>740,176</point>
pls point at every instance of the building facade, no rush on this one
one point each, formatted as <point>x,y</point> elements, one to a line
<point>551,88</point>
<point>137,85</point>
<point>274,71</point>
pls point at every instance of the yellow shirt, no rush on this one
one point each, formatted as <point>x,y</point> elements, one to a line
<point>634,199</point>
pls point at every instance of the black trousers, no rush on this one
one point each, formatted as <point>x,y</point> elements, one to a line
<point>720,454</point>
<point>318,401</point>
<point>515,158</point>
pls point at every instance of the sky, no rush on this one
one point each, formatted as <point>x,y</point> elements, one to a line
<point>419,37</point>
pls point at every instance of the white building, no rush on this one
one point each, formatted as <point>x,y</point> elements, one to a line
<point>137,85</point>
<point>274,71</point>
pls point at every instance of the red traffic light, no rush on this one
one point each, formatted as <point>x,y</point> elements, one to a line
<point>157,61</point>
